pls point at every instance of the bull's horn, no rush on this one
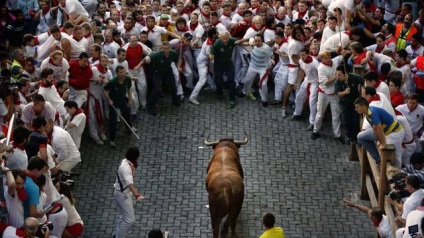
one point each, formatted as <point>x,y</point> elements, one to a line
<point>246,139</point>
<point>210,143</point>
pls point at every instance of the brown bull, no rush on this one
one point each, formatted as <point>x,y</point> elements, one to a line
<point>224,184</point>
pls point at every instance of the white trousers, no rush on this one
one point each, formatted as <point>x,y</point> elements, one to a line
<point>408,150</point>
<point>203,76</point>
<point>141,85</point>
<point>396,139</point>
<point>127,219</point>
<point>176,74</point>
<point>300,98</point>
<point>280,81</point>
<point>67,165</point>
<point>79,96</point>
<point>323,101</point>
<point>263,80</point>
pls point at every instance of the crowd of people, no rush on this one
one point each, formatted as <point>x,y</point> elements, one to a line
<point>65,62</point>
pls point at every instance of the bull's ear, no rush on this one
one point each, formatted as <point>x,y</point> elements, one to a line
<point>214,146</point>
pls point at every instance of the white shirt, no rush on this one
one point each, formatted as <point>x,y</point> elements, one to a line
<point>295,47</point>
<point>155,36</point>
<point>58,70</point>
<point>203,57</point>
<point>310,69</point>
<point>269,35</point>
<point>115,64</point>
<point>406,127</point>
<point>412,54</point>
<point>333,42</point>
<point>76,131</point>
<point>327,33</point>
<point>412,202</point>
<point>384,229</point>
<point>28,113</point>
<point>73,216</point>
<point>415,117</point>
<point>126,176</point>
<point>384,89</point>
<point>15,208</point>
<point>413,219</point>
<point>325,72</point>
<point>64,146</point>
<point>111,49</point>
<point>51,95</point>
<point>74,7</point>
<point>18,159</point>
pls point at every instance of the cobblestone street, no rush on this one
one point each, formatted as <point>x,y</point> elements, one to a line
<point>301,181</point>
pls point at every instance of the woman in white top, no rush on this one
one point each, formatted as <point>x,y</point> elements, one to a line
<point>75,225</point>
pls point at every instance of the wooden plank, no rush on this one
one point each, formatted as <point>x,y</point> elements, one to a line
<point>371,191</point>
<point>391,215</point>
<point>374,170</point>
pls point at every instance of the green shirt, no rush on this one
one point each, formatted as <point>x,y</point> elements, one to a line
<point>162,64</point>
<point>223,53</point>
<point>353,82</point>
<point>118,91</point>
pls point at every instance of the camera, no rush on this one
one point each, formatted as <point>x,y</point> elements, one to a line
<point>65,177</point>
<point>43,228</point>
<point>413,230</point>
<point>399,185</point>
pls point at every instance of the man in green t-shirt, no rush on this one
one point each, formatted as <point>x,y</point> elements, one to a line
<point>221,53</point>
<point>119,96</point>
<point>163,62</point>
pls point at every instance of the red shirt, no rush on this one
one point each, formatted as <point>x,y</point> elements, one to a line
<point>134,55</point>
<point>397,99</point>
<point>79,78</point>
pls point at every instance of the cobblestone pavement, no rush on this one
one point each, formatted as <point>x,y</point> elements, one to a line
<point>301,181</point>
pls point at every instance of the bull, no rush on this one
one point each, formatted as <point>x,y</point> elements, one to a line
<point>224,183</point>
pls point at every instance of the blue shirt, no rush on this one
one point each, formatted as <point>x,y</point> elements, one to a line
<point>26,5</point>
<point>33,195</point>
<point>378,115</point>
<point>260,57</point>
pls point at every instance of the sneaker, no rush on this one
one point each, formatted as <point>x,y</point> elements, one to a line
<point>232,104</point>
<point>310,127</point>
<point>103,136</point>
<point>112,144</point>
<point>315,136</point>
<point>194,101</point>
<point>250,96</point>
<point>98,141</point>
<point>181,99</point>
<point>340,140</point>
<point>283,113</point>
<point>265,104</point>
<point>296,118</point>
<point>275,103</point>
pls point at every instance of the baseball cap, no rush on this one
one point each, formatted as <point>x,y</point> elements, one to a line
<point>164,16</point>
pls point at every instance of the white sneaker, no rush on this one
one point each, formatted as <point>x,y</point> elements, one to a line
<point>283,113</point>
<point>112,144</point>
<point>194,101</point>
<point>103,136</point>
<point>98,141</point>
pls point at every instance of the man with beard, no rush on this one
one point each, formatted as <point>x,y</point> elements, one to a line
<point>49,92</point>
<point>404,32</point>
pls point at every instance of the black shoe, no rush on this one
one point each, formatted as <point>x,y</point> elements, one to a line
<point>275,103</point>
<point>340,140</point>
<point>241,95</point>
<point>296,118</point>
<point>310,127</point>
<point>176,103</point>
<point>265,104</point>
<point>315,136</point>
<point>232,104</point>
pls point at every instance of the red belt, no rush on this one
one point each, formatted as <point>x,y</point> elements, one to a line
<point>293,65</point>
<point>321,91</point>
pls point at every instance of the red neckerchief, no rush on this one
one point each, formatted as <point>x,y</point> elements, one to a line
<point>377,223</point>
<point>216,23</point>
<point>348,33</point>
<point>45,85</point>
<point>184,29</point>
<point>21,233</point>
<point>254,28</point>
<point>226,15</point>
<point>150,29</point>
<point>101,69</point>
<point>164,25</point>
<point>44,12</point>
<point>204,14</point>
<point>330,64</point>
<point>210,41</point>
<point>193,26</point>
<point>34,179</point>
<point>300,15</point>
<point>78,111</point>
<point>312,54</point>
<point>379,49</point>
<point>191,9</point>
<point>214,9</point>
<point>21,147</point>
<point>376,97</point>
<point>257,8</point>
<point>400,65</point>
<point>22,194</point>
<point>309,60</point>
<point>377,84</point>
<point>36,42</point>
<point>51,62</point>
<point>240,13</point>
<point>270,28</point>
<point>360,57</point>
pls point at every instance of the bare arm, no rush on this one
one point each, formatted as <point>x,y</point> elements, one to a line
<point>378,130</point>
<point>66,47</point>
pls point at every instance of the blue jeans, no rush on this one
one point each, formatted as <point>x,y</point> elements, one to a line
<point>367,139</point>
